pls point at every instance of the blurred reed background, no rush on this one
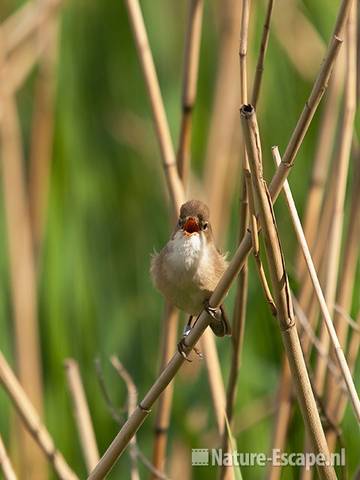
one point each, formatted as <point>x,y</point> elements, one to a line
<point>82,208</point>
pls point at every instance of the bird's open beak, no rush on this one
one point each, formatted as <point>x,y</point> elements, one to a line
<point>191,226</point>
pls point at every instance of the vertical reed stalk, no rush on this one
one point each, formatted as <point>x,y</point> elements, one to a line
<point>313,101</point>
<point>174,183</point>
<point>341,171</point>
<point>321,162</point>
<point>239,316</point>
<point>131,405</point>
<point>177,196</point>
<point>306,294</point>
<point>340,357</point>
<point>224,120</point>
<point>23,277</point>
<point>298,135</point>
<point>162,421</point>
<point>190,75</point>
<point>339,409</point>
<point>346,281</point>
<point>260,62</point>
<point>282,292</point>
<point>241,294</point>
<point>282,417</point>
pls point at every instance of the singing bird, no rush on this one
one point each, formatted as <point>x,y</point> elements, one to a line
<point>187,270</point>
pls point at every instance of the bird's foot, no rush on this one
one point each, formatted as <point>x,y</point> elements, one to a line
<point>187,328</point>
<point>219,323</point>
<point>212,311</point>
<point>182,347</point>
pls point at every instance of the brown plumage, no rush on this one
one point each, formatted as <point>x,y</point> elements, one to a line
<point>188,268</point>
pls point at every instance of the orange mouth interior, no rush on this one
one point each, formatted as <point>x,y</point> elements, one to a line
<point>191,226</point>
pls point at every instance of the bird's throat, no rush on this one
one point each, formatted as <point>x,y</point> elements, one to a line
<point>187,251</point>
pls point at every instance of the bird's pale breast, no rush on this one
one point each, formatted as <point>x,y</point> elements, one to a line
<point>186,271</point>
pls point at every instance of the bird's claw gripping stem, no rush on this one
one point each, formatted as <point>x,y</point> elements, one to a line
<point>182,347</point>
<point>212,311</point>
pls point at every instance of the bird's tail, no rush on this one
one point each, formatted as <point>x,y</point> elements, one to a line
<point>220,324</point>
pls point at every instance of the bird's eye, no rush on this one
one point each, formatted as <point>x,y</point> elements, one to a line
<point>180,222</point>
<point>205,225</point>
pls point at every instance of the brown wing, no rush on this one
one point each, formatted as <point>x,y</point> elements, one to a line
<point>220,325</point>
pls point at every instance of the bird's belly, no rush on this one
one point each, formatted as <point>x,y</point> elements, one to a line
<point>184,272</point>
<point>187,288</point>
<point>186,296</point>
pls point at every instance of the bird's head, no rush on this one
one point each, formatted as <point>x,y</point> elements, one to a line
<point>194,219</point>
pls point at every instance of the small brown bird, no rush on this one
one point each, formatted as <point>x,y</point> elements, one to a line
<point>188,268</point>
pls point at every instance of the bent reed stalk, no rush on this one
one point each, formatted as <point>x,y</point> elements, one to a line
<point>32,422</point>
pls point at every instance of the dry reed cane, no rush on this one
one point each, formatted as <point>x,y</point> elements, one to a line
<point>346,283</point>
<point>309,332</point>
<point>344,368</point>
<point>242,283</point>
<point>82,414</point>
<point>32,421</point>
<point>170,324</point>
<point>192,50</point>
<point>241,294</point>
<point>263,47</point>
<point>5,463</point>
<point>224,119</point>
<point>291,25</point>
<point>22,274</point>
<point>293,146</point>
<point>137,418</point>
<point>21,62</point>
<point>177,196</point>
<point>173,180</point>
<point>21,16</point>
<point>135,421</point>
<point>22,43</point>
<point>307,299</point>
<point>282,291</point>
<point>282,417</point>
<point>320,167</point>
<point>132,402</point>
<point>341,171</point>
<point>25,22</point>
<point>339,409</point>
<point>144,408</point>
<point>238,326</point>
<point>190,75</point>
<point>351,247</point>
<point>316,94</point>
<point>306,295</point>
<point>290,153</point>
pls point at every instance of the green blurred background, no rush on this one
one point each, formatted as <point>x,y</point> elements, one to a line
<point>107,213</point>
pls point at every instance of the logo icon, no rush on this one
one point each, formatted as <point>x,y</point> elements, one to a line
<point>200,456</point>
